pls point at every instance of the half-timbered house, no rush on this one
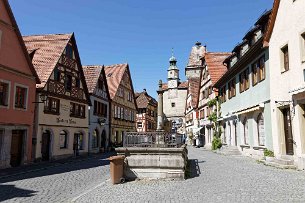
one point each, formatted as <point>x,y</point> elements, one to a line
<point>146,113</point>
<point>99,111</point>
<point>61,126</point>
<point>123,103</point>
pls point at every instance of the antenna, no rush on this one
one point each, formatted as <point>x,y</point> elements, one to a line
<point>172,51</point>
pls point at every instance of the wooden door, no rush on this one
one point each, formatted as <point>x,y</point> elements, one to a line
<point>45,146</point>
<point>288,131</point>
<point>16,147</point>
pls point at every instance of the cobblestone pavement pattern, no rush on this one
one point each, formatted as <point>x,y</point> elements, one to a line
<point>219,179</point>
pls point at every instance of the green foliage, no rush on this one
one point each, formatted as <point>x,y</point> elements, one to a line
<point>212,103</point>
<point>268,153</point>
<point>216,143</point>
<point>213,117</point>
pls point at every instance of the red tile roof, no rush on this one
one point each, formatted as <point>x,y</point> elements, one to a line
<point>114,74</point>
<point>17,31</point>
<point>143,99</point>
<point>216,68</point>
<point>48,48</point>
<point>193,90</point>
<point>92,74</point>
<point>182,85</point>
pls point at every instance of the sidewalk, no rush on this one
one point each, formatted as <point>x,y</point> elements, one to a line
<point>8,172</point>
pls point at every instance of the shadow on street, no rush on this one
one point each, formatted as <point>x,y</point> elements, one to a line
<point>10,192</point>
<point>51,168</point>
<point>193,168</point>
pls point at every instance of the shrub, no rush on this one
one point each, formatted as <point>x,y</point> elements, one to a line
<point>268,153</point>
<point>216,143</point>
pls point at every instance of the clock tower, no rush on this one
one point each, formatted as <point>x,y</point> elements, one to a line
<point>173,73</point>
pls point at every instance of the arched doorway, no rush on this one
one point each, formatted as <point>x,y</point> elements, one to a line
<point>46,145</point>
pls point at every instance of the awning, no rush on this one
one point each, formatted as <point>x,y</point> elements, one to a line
<point>254,108</point>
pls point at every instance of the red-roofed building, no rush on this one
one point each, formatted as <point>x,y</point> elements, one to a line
<point>147,112</point>
<point>17,93</point>
<point>99,120</point>
<point>123,103</point>
<point>213,69</point>
<point>61,128</point>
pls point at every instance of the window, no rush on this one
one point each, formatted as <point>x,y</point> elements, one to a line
<point>77,110</point>
<point>20,97</point>
<point>52,105</point>
<point>94,139</point>
<point>69,51</point>
<point>285,58</point>
<point>262,72</point>
<point>244,82</point>
<point>258,71</point>
<point>139,124</point>
<point>232,88</point>
<point>115,111</point>
<point>261,130</point>
<point>100,109</point>
<point>223,94</point>
<point>173,104</point>
<point>201,113</point>
<point>77,82</point>
<point>129,96</point>
<point>56,75</point>
<point>120,92</point>
<point>68,82</point>
<point>303,47</point>
<point>245,131</point>
<point>63,139</point>
<point>4,92</point>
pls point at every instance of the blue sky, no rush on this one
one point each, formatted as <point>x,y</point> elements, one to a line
<point>141,32</point>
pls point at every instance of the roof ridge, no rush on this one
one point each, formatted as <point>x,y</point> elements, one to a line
<point>36,35</point>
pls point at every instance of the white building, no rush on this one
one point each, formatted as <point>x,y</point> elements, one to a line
<point>99,111</point>
<point>286,40</point>
<point>174,97</point>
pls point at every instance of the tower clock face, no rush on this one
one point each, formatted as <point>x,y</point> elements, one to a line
<point>172,83</point>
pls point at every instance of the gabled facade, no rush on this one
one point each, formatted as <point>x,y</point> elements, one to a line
<point>191,109</point>
<point>147,112</point>
<point>213,69</point>
<point>245,94</point>
<point>123,103</point>
<point>99,120</point>
<point>286,41</point>
<point>17,93</point>
<point>194,66</point>
<point>61,122</point>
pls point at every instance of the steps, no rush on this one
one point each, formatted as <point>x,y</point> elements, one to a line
<point>283,162</point>
<point>229,150</point>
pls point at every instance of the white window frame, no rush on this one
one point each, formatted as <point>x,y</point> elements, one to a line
<point>302,44</point>
<point>26,97</point>
<point>8,95</point>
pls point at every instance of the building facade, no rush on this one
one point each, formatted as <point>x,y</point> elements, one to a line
<point>147,112</point>
<point>194,65</point>
<point>286,41</point>
<point>18,79</point>
<point>99,121</point>
<point>123,103</point>
<point>213,69</point>
<point>174,96</point>
<point>245,94</point>
<point>61,119</point>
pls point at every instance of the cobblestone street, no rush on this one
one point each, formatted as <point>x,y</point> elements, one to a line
<point>218,178</point>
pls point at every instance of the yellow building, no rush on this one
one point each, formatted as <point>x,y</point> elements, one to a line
<point>123,104</point>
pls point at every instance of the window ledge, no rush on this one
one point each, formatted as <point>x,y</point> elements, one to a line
<point>245,146</point>
<point>50,112</point>
<point>284,71</point>
<point>259,147</point>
